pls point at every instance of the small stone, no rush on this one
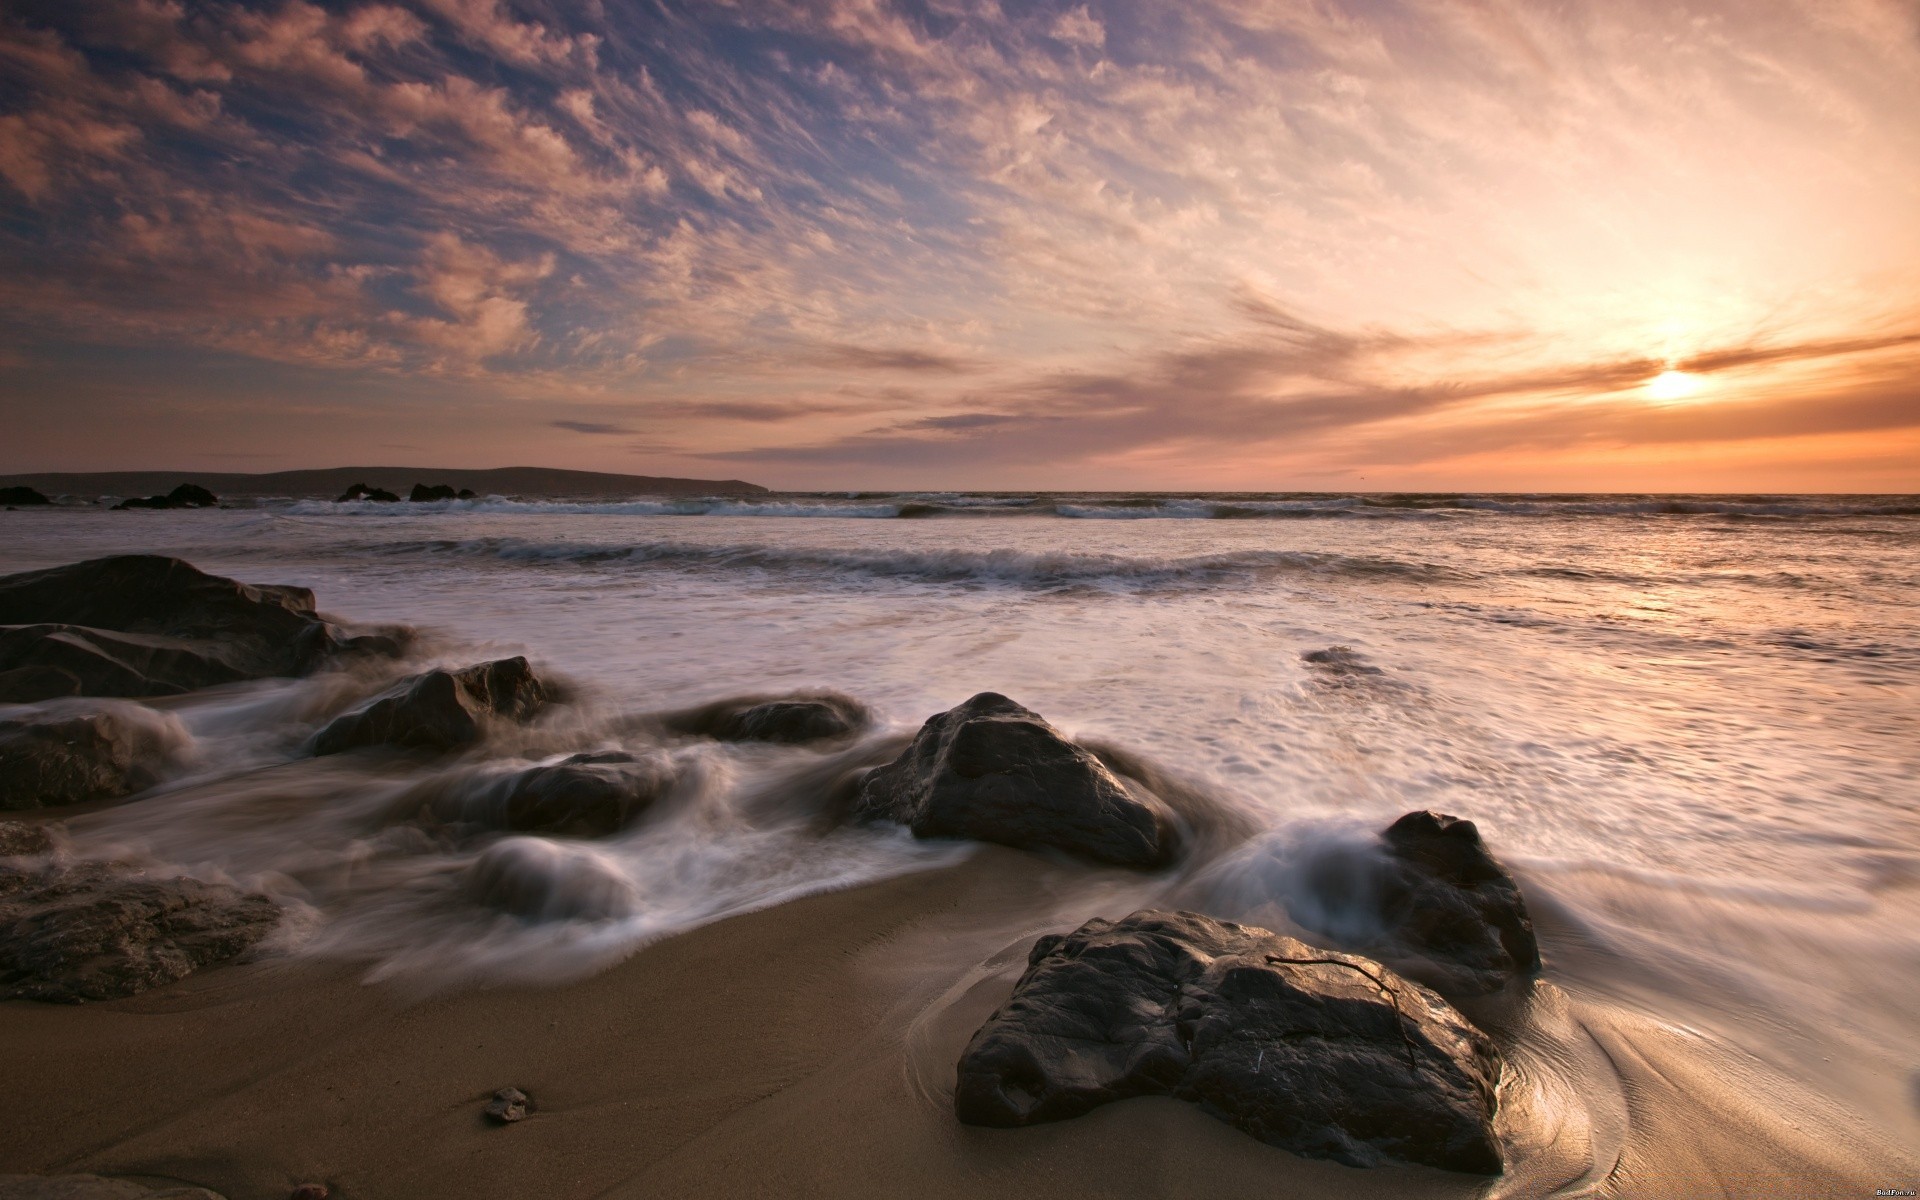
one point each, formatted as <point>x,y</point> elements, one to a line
<point>310,1191</point>
<point>508,1105</point>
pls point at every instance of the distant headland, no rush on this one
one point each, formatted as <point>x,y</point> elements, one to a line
<point>332,481</point>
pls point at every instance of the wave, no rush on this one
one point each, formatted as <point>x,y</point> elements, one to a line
<point>1104,506</point>
<point>1016,568</point>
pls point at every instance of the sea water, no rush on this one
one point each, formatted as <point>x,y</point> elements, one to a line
<point>1691,724</point>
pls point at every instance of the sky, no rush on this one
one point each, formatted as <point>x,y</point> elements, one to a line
<point>1219,244</point>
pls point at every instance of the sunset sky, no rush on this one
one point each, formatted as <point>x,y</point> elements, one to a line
<point>1459,244</point>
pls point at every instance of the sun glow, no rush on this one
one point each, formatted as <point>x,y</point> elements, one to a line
<point>1673,385</point>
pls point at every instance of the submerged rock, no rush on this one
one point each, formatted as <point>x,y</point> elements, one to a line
<point>187,495</point>
<point>65,757</point>
<point>22,495</point>
<point>149,625</point>
<point>548,881</point>
<point>508,1105</point>
<point>794,720</point>
<point>1432,901</point>
<point>1325,1054</point>
<point>992,770</point>
<point>440,710</point>
<point>98,931</point>
<point>92,1187</point>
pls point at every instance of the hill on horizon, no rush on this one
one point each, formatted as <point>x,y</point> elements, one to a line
<point>330,482</point>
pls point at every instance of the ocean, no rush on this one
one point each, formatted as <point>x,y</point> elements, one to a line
<point>1689,724</point>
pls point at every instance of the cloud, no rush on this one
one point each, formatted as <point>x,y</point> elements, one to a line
<point>593,427</point>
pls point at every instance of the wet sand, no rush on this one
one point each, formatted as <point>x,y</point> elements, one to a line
<point>808,1050</point>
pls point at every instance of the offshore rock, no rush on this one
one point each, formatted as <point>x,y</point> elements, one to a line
<point>65,757</point>
<point>98,931</point>
<point>440,710</point>
<point>794,720</point>
<point>995,771</point>
<point>149,625</point>
<point>187,495</point>
<point>1324,1054</point>
<point>22,496</point>
<point>92,1187</point>
<point>361,491</point>
<point>1432,901</point>
<point>422,493</point>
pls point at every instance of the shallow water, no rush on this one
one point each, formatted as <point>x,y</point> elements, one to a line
<point>1692,724</point>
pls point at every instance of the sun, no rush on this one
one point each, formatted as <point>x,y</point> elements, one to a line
<point>1673,385</point>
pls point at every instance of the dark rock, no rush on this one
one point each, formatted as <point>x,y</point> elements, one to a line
<point>508,1105</point>
<point>795,720</point>
<point>1340,660</point>
<point>585,795</point>
<point>466,494</point>
<point>361,491</point>
<point>545,880</point>
<point>187,495</point>
<point>66,757</point>
<point>1325,1054</point>
<point>422,493</point>
<point>92,1187</point>
<point>310,1191</point>
<point>1430,900</point>
<point>22,495</point>
<point>148,625</point>
<point>96,931</point>
<point>440,710</point>
<point>20,839</point>
<point>992,770</point>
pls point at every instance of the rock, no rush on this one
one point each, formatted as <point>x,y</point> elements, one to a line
<point>361,491</point>
<point>64,757</point>
<point>22,495</point>
<point>585,795</point>
<point>91,1187</point>
<point>20,839</point>
<point>421,493</point>
<point>508,1105</point>
<point>310,1191</point>
<point>1325,1054</point>
<point>467,494</point>
<point>1340,660</point>
<point>440,710</point>
<point>794,720</point>
<point>97,931</point>
<point>544,880</point>
<point>187,495</point>
<point>1428,899</point>
<point>994,771</point>
<point>148,625</point>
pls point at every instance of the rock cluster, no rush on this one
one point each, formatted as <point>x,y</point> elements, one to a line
<point>63,757</point>
<point>361,491</point>
<point>1321,1053</point>
<point>100,931</point>
<point>16,496</point>
<point>440,710</point>
<point>149,625</point>
<point>992,770</point>
<point>187,495</point>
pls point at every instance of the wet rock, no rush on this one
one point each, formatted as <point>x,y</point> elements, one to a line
<point>99,931</point>
<point>422,493</point>
<point>1324,1054</point>
<point>1340,661</point>
<point>1429,899</point>
<point>992,770</point>
<point>310,1191</point>
<point>92,1187</point>
<point>187,495</point>
<point>541,880</point>
<point>508,1105</point>
<point>440,710</point>
<point>585,795</point>
<point>22,496</point>
<point>148,625</point>
<point>64,757</point>
<point>467,494</point>
<point>792,720</point>
<point>361,491</point>
<point>19,839</point>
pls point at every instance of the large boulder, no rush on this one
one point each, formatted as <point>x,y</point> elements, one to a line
<point>992,770</point>
<point>440,710</point>
<point>99,931</point>
<point>1429,899</point>
<point>583,795</point>
<point>65,756</point>
<point>149,625</point>
<point>792,720</point>
<point>1325,1054</point>
<point>22,495</point>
